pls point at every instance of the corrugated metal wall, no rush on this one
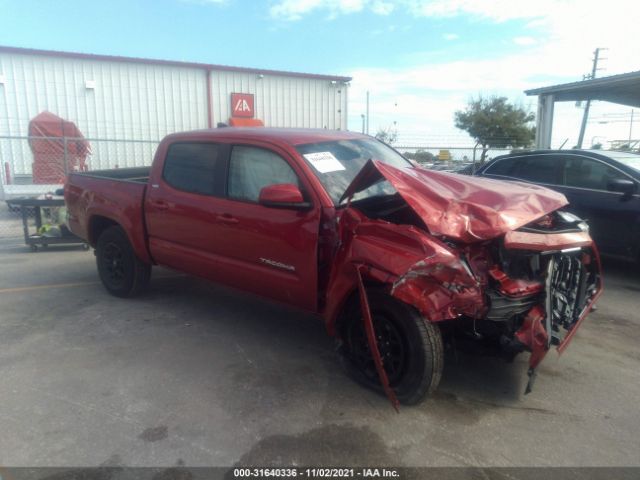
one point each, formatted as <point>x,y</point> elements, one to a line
<point>145,101</point>
<point>282,101</point>
<point>142,102</point>
<point>133,101</point>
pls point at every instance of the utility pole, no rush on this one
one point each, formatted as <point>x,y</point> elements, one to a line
<point>585,115</point>
<point>630,128</point>
<point>367,112</point>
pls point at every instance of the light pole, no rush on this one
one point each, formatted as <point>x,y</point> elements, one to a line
<point>367,112</point>
<point>362,115</point>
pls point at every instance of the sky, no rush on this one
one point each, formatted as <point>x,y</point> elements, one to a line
<point>421,60</point>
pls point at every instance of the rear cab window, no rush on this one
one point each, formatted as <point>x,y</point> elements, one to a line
<point>195,168</point>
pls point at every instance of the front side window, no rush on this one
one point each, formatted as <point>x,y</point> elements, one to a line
<point>251,169</point>
<point>192,167</point>
<point>587,173</point>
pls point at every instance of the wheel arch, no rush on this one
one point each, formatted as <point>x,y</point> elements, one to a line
<point>98,223</point>
<point>348,299</point>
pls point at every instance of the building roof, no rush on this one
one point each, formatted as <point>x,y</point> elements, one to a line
<point>623,89</point>
<point>174,63</point>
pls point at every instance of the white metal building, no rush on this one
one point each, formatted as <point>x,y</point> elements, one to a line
<point>141,99</point>
<point>125,106</point>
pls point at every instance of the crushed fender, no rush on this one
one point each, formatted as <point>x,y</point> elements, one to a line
<point>441,288</point>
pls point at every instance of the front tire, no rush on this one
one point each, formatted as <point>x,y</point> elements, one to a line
<point>122,273</point>
<point>410,348</point>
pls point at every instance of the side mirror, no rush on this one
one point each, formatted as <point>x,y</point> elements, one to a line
<point>283,195</point>
<point>622,185</point>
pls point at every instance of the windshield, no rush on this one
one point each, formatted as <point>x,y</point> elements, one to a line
<point>336,163</point>
<point>629,159</point>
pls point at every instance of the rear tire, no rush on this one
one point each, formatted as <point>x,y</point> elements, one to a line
<point>122,273</point>
<point>410,347</point>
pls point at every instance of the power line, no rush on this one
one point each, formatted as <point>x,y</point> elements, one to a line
<point>585,115</point>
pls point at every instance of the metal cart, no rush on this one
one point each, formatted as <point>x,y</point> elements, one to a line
<point>35,239</point>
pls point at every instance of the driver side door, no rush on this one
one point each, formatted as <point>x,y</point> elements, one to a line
<point>267,250</point>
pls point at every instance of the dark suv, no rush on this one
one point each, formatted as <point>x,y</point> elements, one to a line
<point>603,187</point>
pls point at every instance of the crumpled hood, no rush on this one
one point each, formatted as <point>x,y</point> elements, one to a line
<point>460,207</point>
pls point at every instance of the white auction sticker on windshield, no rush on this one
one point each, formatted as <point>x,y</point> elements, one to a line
<point>324,162</point>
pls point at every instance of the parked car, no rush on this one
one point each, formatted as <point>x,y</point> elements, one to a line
<point>389,255</point>
<point>602,187</point>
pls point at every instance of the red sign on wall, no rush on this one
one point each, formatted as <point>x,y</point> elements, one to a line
<point>242,105</point>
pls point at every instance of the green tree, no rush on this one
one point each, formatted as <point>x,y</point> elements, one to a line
<point>420,156</point>
<point>495,123</point>
<point>387,135</point>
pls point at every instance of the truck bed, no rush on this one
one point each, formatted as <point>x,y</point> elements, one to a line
<point>134,174</point>
<point>115,196</point>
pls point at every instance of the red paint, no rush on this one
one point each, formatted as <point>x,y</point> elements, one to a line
<point>515,287</point>
<point>533,335</point>
<point>281,193</point>
<point>460,207</point>
<point>242,105</point>
<point>306,257</point>
<point>544,242</point>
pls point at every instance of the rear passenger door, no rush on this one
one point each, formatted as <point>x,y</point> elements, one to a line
<point>270,251</point>
<point>182,206</point>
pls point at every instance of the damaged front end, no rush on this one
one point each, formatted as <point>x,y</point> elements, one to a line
<point>557,255</point>
<point>508,268</point>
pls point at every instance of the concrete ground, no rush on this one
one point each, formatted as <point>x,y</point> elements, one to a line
<point>195,374</point>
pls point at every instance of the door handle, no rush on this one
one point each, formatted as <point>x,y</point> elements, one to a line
<point>227,218</point>
<point>160,205</point>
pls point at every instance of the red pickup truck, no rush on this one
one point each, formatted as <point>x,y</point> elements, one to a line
<point>392,256</point>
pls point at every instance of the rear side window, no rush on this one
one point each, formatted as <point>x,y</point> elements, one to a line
<point>193,167</point>
<point>251,169</point>
<point>586,173</point>
<point>542,169</point>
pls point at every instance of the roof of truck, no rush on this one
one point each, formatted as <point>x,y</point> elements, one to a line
<point>292,136</point>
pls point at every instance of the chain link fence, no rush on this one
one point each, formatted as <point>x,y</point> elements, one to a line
<point>35,167</point>
<point>454,159</point>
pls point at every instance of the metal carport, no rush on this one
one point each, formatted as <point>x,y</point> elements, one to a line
<point>623,89</point>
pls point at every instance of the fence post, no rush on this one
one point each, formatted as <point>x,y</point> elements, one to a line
<point>7,173</point>
<point>473,164</point>
<point>66,159</point>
